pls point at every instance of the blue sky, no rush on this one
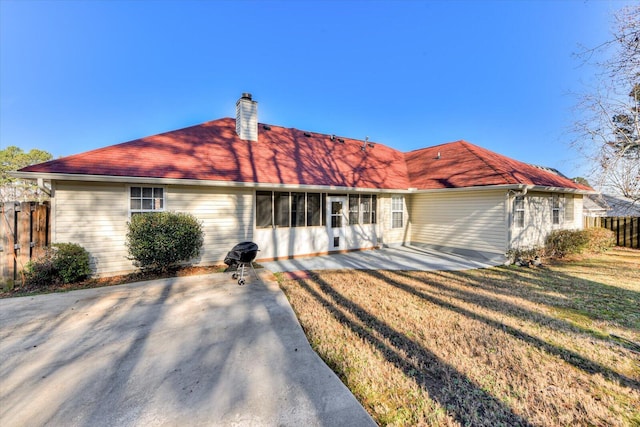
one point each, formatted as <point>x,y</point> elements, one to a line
<point>78,75</point>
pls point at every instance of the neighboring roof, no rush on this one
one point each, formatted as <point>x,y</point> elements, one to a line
<point>621,206</point>
<point>595,205</point>
<point>462,164</point>
<point>212,151</point>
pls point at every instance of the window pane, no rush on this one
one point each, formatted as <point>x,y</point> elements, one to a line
<point>282,209</point>
<point>354,209</point>
<point>263,209</point>
<point>374,209</point>
<point>365,204</point>
<point>518,207</point>
<point>297,210</point>
<point>146,199</point>
<point>336,214</point>
<point>396,203</point>
<point>396,220</point>
<point>313,209</point>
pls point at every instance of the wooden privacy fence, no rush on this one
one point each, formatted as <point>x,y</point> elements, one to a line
<point>626,228</point>
<point>24,228</point>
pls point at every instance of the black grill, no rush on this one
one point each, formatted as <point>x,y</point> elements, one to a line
<point>239,258</point>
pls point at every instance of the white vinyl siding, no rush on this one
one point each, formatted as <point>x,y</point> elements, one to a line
<point>95,216</point>
<point>392,236</point>
<point>460,221</point>
<point>226,215</point>
<point>546,212</point>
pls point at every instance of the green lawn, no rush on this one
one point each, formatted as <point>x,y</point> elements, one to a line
<point>553,346</point>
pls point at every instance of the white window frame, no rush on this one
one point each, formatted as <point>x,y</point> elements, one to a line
<point>154,200</point>
<point>519,211</point>
<point>397,210</point>
<point>557,214</point>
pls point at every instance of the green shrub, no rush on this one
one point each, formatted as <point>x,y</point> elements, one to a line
<point>161,240</point>
<point>566,242</point>
<point>39,272</point>
<point>71,262</point>
<point>62,263</point>
<point>561,243</point>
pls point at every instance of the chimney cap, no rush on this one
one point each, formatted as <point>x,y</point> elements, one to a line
<point>246,95</point>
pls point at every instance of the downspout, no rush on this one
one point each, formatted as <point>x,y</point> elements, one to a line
<point>43,187</point>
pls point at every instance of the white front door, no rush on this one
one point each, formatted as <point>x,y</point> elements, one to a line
<point>337,223</point>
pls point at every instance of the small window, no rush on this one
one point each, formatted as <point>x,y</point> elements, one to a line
<point>518,212</point>
<point>354,209</point>
<point>146,199</point>
<point>556,209</point>
<point>397,212</point>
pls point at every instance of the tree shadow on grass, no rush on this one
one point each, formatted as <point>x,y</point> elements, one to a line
<point>568,356</point>
<point>465,401</point>
<point>535,295</point>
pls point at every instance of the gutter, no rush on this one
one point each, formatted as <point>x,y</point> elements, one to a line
<point>41,177</point>
<point>524,188</point>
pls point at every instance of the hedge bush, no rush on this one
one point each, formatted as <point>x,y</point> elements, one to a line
<point>600,239</point>
<point>61,263</point>
<point>561,243</point>
<point>161,240</point>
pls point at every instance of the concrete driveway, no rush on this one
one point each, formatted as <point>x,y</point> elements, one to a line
<point>190,351</point>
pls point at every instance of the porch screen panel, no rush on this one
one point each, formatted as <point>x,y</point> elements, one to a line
<point>365,206</point>
<point>353,209</point>
<point>282,209</point>
<point>264,209</point>
<point>314,208</point>
<point>297,209</point>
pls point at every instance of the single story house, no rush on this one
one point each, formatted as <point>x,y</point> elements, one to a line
<point>299,193</point>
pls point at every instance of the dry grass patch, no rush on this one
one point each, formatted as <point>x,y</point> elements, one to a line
<point>557,345</point>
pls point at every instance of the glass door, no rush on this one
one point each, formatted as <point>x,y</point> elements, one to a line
<point>337,221</point>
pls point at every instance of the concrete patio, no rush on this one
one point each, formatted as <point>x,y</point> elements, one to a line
<point>391,258</point>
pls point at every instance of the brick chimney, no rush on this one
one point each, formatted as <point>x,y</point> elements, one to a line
<point>247,118</point>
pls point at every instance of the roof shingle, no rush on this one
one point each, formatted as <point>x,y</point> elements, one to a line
<point>212,151</point>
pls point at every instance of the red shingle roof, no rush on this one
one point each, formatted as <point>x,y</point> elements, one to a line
<point>212,151</point>
<point>461,164</point>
